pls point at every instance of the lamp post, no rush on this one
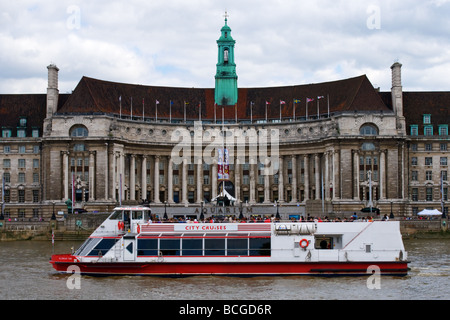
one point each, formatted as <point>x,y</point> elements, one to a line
<point>53,214</point>
<point>165,210</point>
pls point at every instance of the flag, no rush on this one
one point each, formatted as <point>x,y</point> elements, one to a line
<point>157,102</point>
<point>267,102</point>
<point>309,99</point>
<point>282,102</point>
<point>320,97</point>
<point>296,100</point>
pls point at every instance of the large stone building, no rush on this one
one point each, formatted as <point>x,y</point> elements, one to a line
<point>333,147</point>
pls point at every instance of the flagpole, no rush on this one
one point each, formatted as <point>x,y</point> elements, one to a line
<point>318,107</point>
<point>156,110</point>
<point>266,111</point>
<point>328,99</point>
<point>215,118</point>
<point>235,112</point>
<point>280,110</point>
<point>306,108</point>
<point>200,111</point>
<point>120,110</point>
<point>184,111</point>
<point>293,110</point>
<point>170,111</point>
<point>131,108</point>
<point>143,118</point>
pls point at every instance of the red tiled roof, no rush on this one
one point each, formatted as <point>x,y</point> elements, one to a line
<point>97,96</point>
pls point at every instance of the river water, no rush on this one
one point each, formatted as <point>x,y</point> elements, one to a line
<point>26,274</point>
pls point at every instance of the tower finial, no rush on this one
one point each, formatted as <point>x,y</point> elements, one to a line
<point>226,16</point>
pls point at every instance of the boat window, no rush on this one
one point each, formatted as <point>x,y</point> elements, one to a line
<point>147,247</point>
<point>237,247</point>
<point>116,215</point>
<point>214,247</point>
<point>192,247</point>
<point>102,247</point>
<point>137,215</point>
<point>240,235</point>
<point>259,246</point>
<point>215,235</point>
<point>169,247</point>
<point>323,243</point>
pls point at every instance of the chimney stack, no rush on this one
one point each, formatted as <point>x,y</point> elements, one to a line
<point>52,90</point>
<point>396,90</point>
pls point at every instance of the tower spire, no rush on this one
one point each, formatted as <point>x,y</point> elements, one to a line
<point>226,92</point>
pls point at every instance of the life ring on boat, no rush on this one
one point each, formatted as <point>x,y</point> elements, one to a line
<point>304,243</point>
<point>138,229</point>
<point>120,225</point>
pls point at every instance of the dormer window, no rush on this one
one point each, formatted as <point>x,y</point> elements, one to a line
<point>23,122</point>
<point>426,118</point>
<point>225,55</point>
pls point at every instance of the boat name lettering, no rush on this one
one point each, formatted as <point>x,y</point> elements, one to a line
<point>205,227</point>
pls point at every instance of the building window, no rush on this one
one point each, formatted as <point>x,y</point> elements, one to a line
<point>23,122</point>
<point>21,177</point>
<point>428,175</point>
<point>429,194</point>
<point>80,147</point>
<point>35,195</point>
<point>428,147</point>
<point>443,161</point>
<point>79,131</point>
<point>21,163</point>
<point>414,161</point>
<point>443,147</point>
<point>428,130</point>
<point>22,149</point>
<point>21,133</point>
<point>368,130</point>
<point>443,130</point>
<point>7,177</point>
<point>427,118</point>
<point>428,161</point>
<point>21,196</point>
<point>414,147</point>
<point>6,163</point>
<point>35,133</point>
<point>368,146</point>
<point>444,175</point>
<point>414,175</point>
<point>6,133</point>
<point>35,163</point>
<point>414,130</point>
<point>35,177</point>
<point>6,149</point>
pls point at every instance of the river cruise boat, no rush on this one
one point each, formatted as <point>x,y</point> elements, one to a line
<point>128,243</point>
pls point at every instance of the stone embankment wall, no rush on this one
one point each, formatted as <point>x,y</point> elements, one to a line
<point>80,226</point>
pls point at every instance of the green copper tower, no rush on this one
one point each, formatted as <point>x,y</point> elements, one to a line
<point>226,91</point>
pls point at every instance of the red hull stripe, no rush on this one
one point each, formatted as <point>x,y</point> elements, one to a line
<point>230,268</point>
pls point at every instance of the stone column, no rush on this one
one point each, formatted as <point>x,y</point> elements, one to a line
<point>306,168</point>
<point>112,173</point>
<point>92,175</point>
<point>356,175</point>
<point>199,180</point>
<point>327,176</point>
<point>65,174</point>
<point>214,179</point>
<point>252,184</point>
<point>294,179</point>
<point>170,181</point>
<point>184,182</point>
<point>144,178</point>
<point>317,175</point>
<point>237,179</point>
<point>382,173</point>
<point>281,180</point>
<point>156,183</point>
<point>132,177</point>
<point>266,181</point>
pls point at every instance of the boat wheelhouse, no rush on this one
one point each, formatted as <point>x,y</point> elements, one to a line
<point>128,242</point>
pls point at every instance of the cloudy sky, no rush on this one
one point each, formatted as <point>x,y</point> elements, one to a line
<point>173,42</point>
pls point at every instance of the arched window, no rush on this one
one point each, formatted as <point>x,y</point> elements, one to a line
<point>368,146</point>
<point>79,131</point>
<point>368,130</point>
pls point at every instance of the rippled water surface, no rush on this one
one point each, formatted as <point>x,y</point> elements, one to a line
<point>26,274</point>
